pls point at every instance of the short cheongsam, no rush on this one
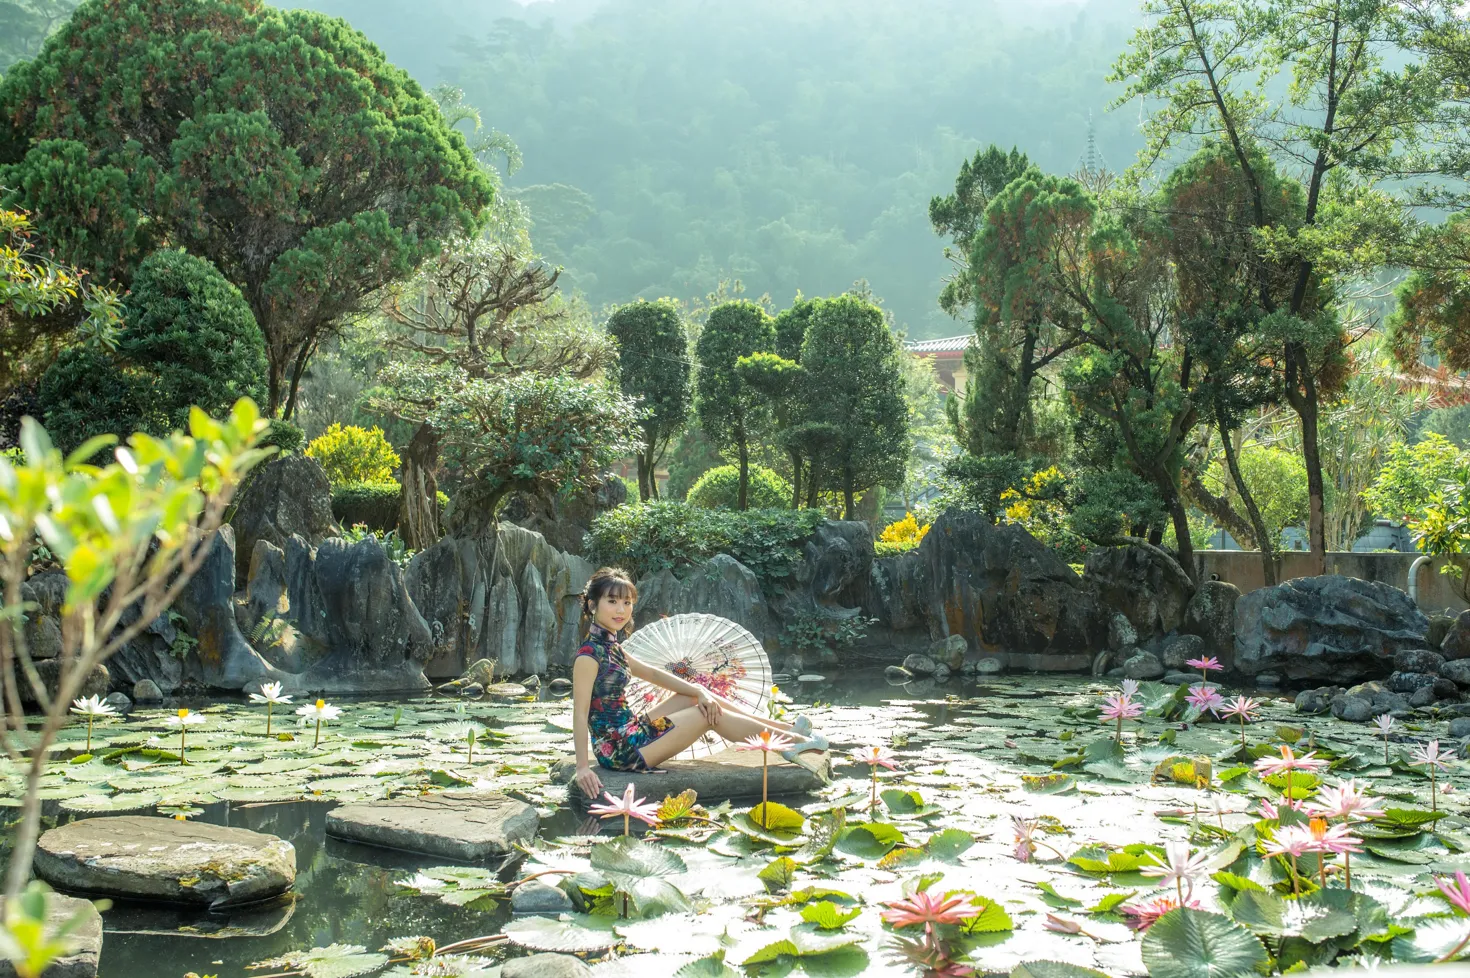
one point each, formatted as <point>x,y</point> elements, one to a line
<point>618,734</point>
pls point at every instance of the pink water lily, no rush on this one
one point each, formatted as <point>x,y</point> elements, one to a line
<point>1144,915</point>
<point>627,807</point>
<point>1287,763</point>
<point>1205,665</point>
<point>1431,758</point>
<point>1458,893</point>
<point>1384,722</point>
<point>1244,709</point>
<point>875,757</point>
<point>1346,800</point>
<point>767,741</point>
<point>1120,707</point>
<point>1206,699</point>
<point>928,909</point>
<point>1178,867</point>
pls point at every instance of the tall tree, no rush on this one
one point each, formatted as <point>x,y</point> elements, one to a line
<point>654,367</point>
<point>731,412</point>
<point>960,215</point>
<point>859,395</point>
<point>1350,104</point>
<point>278,144</point>
<point>1017,316</point>
<point>477,311</point>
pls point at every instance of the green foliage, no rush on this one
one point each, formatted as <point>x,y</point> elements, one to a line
<point>649,537</point>
<point>1414,478</point>
<point>807,632</point>
<point>1110,505</point>
<point>354,455</point>
<point>654,368</point>
<point>1451,422</point>
<point>189,339</point>
<point>719,488</point>
<point>286,436</point>
<point>731,412</point>
<point>691,456</point>
<point>371,504</point>
<point>859,400</point>
<point>958,215</point>
<point>1276,478</point>
<point>532,434</point>
<point>389,540</point>
<point>278,144</point>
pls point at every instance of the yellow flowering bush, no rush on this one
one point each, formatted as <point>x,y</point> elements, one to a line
<point>350,454</point>
<point>900,536</point>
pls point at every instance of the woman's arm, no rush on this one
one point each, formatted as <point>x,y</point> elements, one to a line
<point>662,677</point>
<point>584,674</point>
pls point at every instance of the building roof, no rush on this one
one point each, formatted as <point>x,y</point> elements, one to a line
<point>948,344</point>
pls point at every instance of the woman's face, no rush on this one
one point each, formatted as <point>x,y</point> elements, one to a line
<point>614,611</point>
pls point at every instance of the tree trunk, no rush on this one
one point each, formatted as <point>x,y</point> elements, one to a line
<point>276,380</point>
<point>795,457</point>
<point>418,502</point>
<point>741,494</point>
<point>1264,542</point>
<point>847,507</point>
<point>1305,403</point>
<point>297,371</point>
<point>1182,541</point>
<point>643,477</point>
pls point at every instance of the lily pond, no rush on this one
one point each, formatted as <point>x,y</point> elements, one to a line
<point>1014,835</point>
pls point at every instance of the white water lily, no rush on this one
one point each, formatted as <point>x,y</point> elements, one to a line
<point>270,694</point>
<point>184,720</point>
<point>320,711</point>
<point>92,707</point>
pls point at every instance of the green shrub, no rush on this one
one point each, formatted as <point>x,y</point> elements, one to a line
<point>719,488</point>
<point>352,455</point>
<point>189,338</point>
<point>284,435</point>
<point>371,504</point>
<point>892,548</point>
<point>647,537</point>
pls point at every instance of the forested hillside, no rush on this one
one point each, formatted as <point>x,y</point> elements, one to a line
<point>670,144</point>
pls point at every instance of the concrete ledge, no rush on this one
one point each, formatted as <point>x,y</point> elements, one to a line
<point>728,774</point>
<point>467,826</point>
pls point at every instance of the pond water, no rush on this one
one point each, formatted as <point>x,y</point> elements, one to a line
<point>976,754</point>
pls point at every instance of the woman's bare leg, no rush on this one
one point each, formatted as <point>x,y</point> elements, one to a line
<point>690,725</point>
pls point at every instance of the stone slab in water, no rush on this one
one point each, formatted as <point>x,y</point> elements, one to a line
<point>727,774</point>
<point>143,857</point>
<point>467,826</point>
<point>81,963</point>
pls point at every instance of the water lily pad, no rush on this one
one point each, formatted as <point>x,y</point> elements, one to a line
<point>569,933</point>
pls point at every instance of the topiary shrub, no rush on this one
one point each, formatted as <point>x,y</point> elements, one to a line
<point>371,504</point>
<point>352,455</point>
<point>719,489</point>
<point>188,338</point>
<point>648,537</point>
<point>286,436</point>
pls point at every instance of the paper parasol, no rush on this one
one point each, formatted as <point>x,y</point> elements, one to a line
<point>706,650</point>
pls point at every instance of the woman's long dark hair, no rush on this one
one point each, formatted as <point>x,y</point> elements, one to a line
<point>608,580</point>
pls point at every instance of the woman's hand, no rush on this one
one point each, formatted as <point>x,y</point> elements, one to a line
<point>709,706</point>
<point>589,782</point>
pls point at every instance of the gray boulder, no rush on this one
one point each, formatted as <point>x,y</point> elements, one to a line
<point>949,651</point>
<point>86,938</point>
<point>720,586</point>
<point>1148,591</point>
<point>119,702</point>
<point>97,683</point>
<point>897,674</point>
<point>224,658</point>
<point>995,585</point>
<point>1409,682</point>
<point>1181,648</point>
<point>545,966</point>
<point>1354,709</point>
<point>1143,665</point>
<point>288,496</point>
<point>538,897</point>
<point>1268,680</point>
<point>1418,660</point>
<point>1211,615</point>
<point>1457,671</point>
<point>1121,633</point>
<point>729,773</point>
<point>1439,627</point>
<point>1456,644</point>
<point>1422,697</point>
<point>1319,700</point>
<point>989,666</point>
<point>1327,627</point>
<point>1178,678</point>
<point>565,520</point>
<point>467,826</point>
<point>920,665</point>
<point>1460,728</point>
<point>941,673</point>
<point>143,857</point>
<point>147,691</point>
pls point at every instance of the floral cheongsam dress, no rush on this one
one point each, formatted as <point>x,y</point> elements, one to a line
<point>618,733</point>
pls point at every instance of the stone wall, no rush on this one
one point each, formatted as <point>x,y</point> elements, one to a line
<point>1437,592</point>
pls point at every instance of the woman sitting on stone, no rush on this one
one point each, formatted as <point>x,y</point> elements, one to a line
<point>622,740</point>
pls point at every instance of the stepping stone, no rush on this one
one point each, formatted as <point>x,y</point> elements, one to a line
<point>467,826</point>
<point>81,963</point>
<point>143,857</point>
<point>733,774</point>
